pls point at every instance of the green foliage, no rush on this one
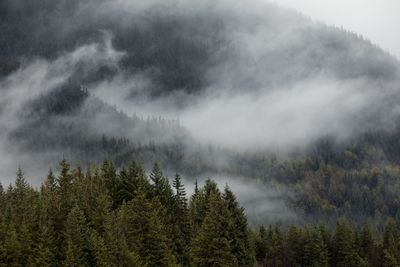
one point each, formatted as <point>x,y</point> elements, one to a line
<point>145,232</point>
<point>212,246</point>
<point>106,217</point>
<point>76,236</point>
<point>238,230</point>
<point>391,246</point>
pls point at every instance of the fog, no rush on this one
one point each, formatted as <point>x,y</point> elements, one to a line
<point>271,83</point>
<point>29,83</point>
<point>374,19</point>
<point>263,204</point>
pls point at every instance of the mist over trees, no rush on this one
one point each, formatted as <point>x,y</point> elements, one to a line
<point>104,217</point>
<point>303,118</point>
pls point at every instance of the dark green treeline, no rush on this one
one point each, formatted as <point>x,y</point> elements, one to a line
<point>105,217</point>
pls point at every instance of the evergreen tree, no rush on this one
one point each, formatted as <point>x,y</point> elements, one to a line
<point>197,210</point>
<point>212,247</point>
<point>43,250</point>
<point>275,239</point>
<point>367,248</point>
<point>90,193</point>
<point>64,181</point>
<point>111,180</point>
<point>391,245</point>
<point>132,181</point>
<point>261,246</point>
<point>295,246</point>
<point>316,250</point>
<point>51,182</point>
<point>12,249</point>
<point>161,187</point>
<point>238,231</point>
<point>199,204</point>
<point>145,233</point>
<point>101,253</point>
<point>76,236</point>
<point>115,241</point>
<point>345,253</point>
<point>181,223</point>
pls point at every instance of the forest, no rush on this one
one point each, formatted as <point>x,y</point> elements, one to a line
<point>109,217</point>
<point>296,122</point>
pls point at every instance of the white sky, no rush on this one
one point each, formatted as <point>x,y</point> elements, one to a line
<point>378,20</point>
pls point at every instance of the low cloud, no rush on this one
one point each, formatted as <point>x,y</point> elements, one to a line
<point>263,204</point>
<point>29,83</point>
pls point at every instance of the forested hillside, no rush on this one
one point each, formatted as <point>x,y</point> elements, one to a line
<point>301,119</point>
<point>105,217</point>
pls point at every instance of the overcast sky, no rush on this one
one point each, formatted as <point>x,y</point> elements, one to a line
<point>378,20</point>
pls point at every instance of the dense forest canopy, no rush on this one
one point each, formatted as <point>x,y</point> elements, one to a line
<point>104,217</point>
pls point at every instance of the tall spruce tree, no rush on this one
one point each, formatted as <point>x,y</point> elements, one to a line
<point>367,249</point>
<point>212,246</point>
<point>391,245</point>
<point>316,250</point>
<point>345,252</point>
<point>76,236</point>
<point>145,233</point>
<point>111,180</point>
<point>181,223</point>
<point>295,246</point>
<point>132,181</point>
<point>43,249</point>
<point>261,246</point>
<point>238,232</point>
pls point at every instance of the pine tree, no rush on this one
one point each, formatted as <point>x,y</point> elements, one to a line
<point>197,210</point>
<point>317,253</point>
<point>25,240</point>
<point>366,243</point>
<point>295,246</point>
<point>65,178</point>
<point>345,253</point>
<point>238,231</point>
<point>102,255</point>
<point>161,187</point>
<point>115,241</point>
<point>391,245</point>
<point>76,236</point>
<point>51,182</point>
<point>111,180</point>
<point>145,233</point>
<point>43,250</point>
<point>132,182</point>
<point>180,193</point>
<point>156,175</point>
<point>12,249</point>
<point>22,199</point>
<point>276,252</point>
<point>199,203</point>
<point>181,223</point>
<point>50,220</point>
<point>212,246</point>
<point>64,181</point>
<point>22,207</point>
<point>91,195</point>
<point>261,246</point>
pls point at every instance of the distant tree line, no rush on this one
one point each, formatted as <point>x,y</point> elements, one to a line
<point>319,245</point>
